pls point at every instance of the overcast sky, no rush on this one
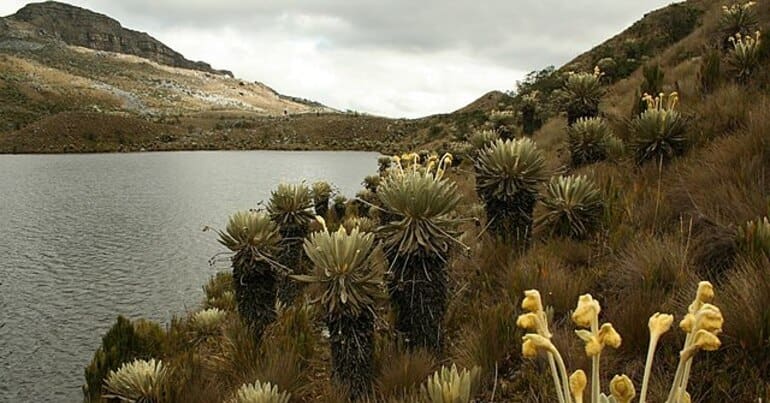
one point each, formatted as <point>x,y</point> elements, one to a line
<point>399,58</point>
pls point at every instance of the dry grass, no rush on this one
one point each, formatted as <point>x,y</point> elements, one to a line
<point>665,227</point>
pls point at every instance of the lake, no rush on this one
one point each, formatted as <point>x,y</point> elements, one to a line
<point>84,238</point>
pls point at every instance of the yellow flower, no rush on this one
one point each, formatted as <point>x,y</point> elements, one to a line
<point>705,292</point>
<point>659,323</point>
<point>622,389</point>
<point>536,342</point>
<point>688,323</point>
<point>577,384</point>
<point>593,347</point>
<point>608,336</point>
<point>587,311</point>
<point>528,349</point>
<point>703,340</point>
<point>527,321</point>
<point>532,301</point>
<point>710,318</point>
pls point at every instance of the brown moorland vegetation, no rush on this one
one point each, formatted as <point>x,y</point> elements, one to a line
<point>677,216</point>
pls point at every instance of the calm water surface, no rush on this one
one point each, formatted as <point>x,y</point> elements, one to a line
<point>84,238</point>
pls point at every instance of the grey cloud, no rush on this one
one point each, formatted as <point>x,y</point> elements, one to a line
<point>540,28</point>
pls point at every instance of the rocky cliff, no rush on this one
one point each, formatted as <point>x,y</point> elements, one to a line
<point>80,27</point>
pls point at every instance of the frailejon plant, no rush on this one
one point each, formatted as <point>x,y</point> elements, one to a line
<point>348,286</point>
<point>591,140</point>
<point>737,18</point>
<point>254,239</point>
<point>480,139</point>
<point>702,324</point>
<point>530,113</point>
<point>745,55</point>
<point>660,132</point>
<point>417,242</point>
<point>448,385</point>
<point>499,121</point>
<point>321,191</point>
<point>753,238</point>
<point>364,224</point>
<point>508,177</point>
<point>652,83</point>
<point>339,204</point>
<point>582,93</point>
<point>383,163</point>
<point>289,207</point>
<point>259,392</point>
<point>371,182</point>
<point>206,323</point>
<point>137,381</point>
<point>573,207</point>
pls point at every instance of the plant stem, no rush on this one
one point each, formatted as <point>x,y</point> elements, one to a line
<point>556,381</point>
<point>595,362</point>
<point>564,377</point>
<point>679,370</point>
<point>648,368</point>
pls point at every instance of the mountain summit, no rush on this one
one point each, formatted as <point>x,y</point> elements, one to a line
<point>81,27</point>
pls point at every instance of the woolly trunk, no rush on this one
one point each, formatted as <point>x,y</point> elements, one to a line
<point>291,256</point>
<point>511,219</point>
<point>418,294</point>
<point>255,284</point>
<point>352,347</point>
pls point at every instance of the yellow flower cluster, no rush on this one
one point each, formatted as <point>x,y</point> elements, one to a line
<point>703,324</point>
<point>662,102</point>
<point>433,164</point>
<point>736,8</point>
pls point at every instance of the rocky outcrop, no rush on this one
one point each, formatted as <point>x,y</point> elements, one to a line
<point>80,27</point>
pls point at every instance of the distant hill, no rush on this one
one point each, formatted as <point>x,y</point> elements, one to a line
<point>57,58</point>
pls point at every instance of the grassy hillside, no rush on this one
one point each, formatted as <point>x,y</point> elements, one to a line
<point>672,210</point>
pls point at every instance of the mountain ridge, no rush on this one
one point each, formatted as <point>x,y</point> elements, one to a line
<point>78,26</point>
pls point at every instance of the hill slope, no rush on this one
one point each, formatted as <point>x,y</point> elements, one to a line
<point>57,59</point>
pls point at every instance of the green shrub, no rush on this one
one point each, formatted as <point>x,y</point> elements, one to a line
<point>753,238</point>
<point>219,292</point>
<point>573,207</point>
<point>710,72</point>
<point>124,342</point>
